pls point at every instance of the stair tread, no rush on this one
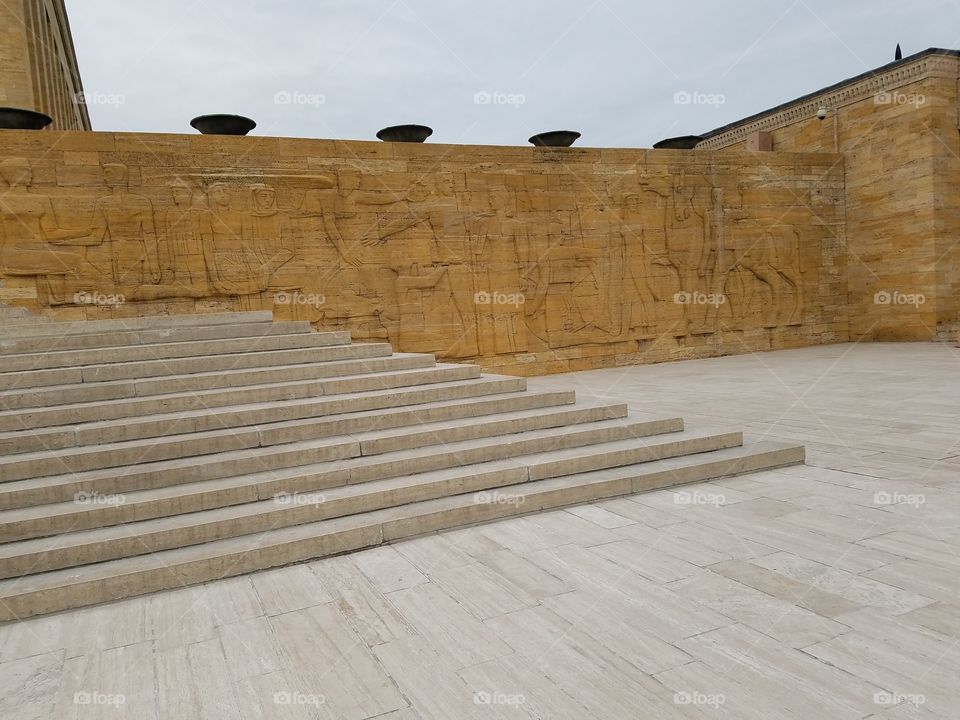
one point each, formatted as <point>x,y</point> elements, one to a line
<point>179,463</point>
<point>190,376</point>
<point>137,354</point>
<point>230,432</point>
<point>250,408</point>
<point>210,392</point>
<point>185,489</point>
<point>314,530</point>
<point>82,327</point>
<point>117,338</point>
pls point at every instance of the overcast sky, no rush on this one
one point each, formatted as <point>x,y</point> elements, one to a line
<point>625,73</point>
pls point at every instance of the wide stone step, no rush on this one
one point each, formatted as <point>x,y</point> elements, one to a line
<point>95,413</point>
<point>185,366</point>
<point>162,350</point>
<point>445,383</point>
<point>57,590</point>
<point>50,396</point>
<point>120,338</point>
<point>301,464</point>
<point>483,396</point>
<point>148,322</point>
<point>602,424</point>
<point>188,528</point>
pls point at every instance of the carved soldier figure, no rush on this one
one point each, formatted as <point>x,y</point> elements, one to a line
<point>124,220</point>
<point>181,256</point>
<point>232,262</point>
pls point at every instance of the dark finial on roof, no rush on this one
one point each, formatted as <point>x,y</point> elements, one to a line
<point>898,55</point>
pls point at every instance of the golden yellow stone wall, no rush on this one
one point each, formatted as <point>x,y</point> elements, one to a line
<point>38,65</point>
<point>897,132</point>
<point>531,260</point>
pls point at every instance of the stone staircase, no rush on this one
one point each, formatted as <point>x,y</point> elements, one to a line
<point>149,453</point>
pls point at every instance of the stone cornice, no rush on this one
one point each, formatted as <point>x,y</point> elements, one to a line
<point>855,90</point>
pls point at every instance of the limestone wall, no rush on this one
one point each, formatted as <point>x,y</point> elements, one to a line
<point>530,260</point>
<point>897,131</point>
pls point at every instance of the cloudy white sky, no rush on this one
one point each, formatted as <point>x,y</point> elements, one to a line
<point>485,72</point>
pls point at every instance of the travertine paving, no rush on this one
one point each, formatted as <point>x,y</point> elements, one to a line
<point>821,591</point>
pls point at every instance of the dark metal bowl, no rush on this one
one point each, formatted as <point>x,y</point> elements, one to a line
<point>405,133</point>
<point>555,138</point>
<point>12,118</point>
<point>683,142</point>
<point>223,124</point>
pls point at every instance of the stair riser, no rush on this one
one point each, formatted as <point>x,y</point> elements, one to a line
<point>165,322</point>
<point>125,389</point>
<point>580,494</point>
<point>229,417</point>
<point>240,439</point>
<point>247,558</point>
<point>641,454</point>
<point>284,514</point>
<point>136,371</point>
<point>140,353</point>
<point>12,346</point>
<point>279,458</point>
<point>287,514</point>
<point>93,515</point>
<point>228,397</point>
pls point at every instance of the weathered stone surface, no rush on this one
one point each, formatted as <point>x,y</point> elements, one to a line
<point>526,260</point>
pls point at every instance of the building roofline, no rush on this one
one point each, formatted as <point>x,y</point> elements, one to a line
<point>830,88</point>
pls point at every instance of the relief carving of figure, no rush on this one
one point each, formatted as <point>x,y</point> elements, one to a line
<point>124,223</point>
<point>181,254</point>
<point>233,263</point>
<point>32,242</point>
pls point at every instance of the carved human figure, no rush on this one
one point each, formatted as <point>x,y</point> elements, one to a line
<point>268,230</point>
<point>686,239</point>
<point>32,243</point>
<point>566,276</point>
<point>766,259</point>
<point>233,264</point>
<point>641,308</point>
<point>495,263</point>
<point>599,230</point>
<point>181,255</point>
<point>124,222</point>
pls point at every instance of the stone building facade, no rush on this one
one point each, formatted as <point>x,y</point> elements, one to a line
<point>38,65</point>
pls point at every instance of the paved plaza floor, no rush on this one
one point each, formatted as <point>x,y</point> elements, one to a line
<point>830,590</point>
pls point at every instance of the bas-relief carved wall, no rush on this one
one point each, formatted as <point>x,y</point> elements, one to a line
<point>533,261</point>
